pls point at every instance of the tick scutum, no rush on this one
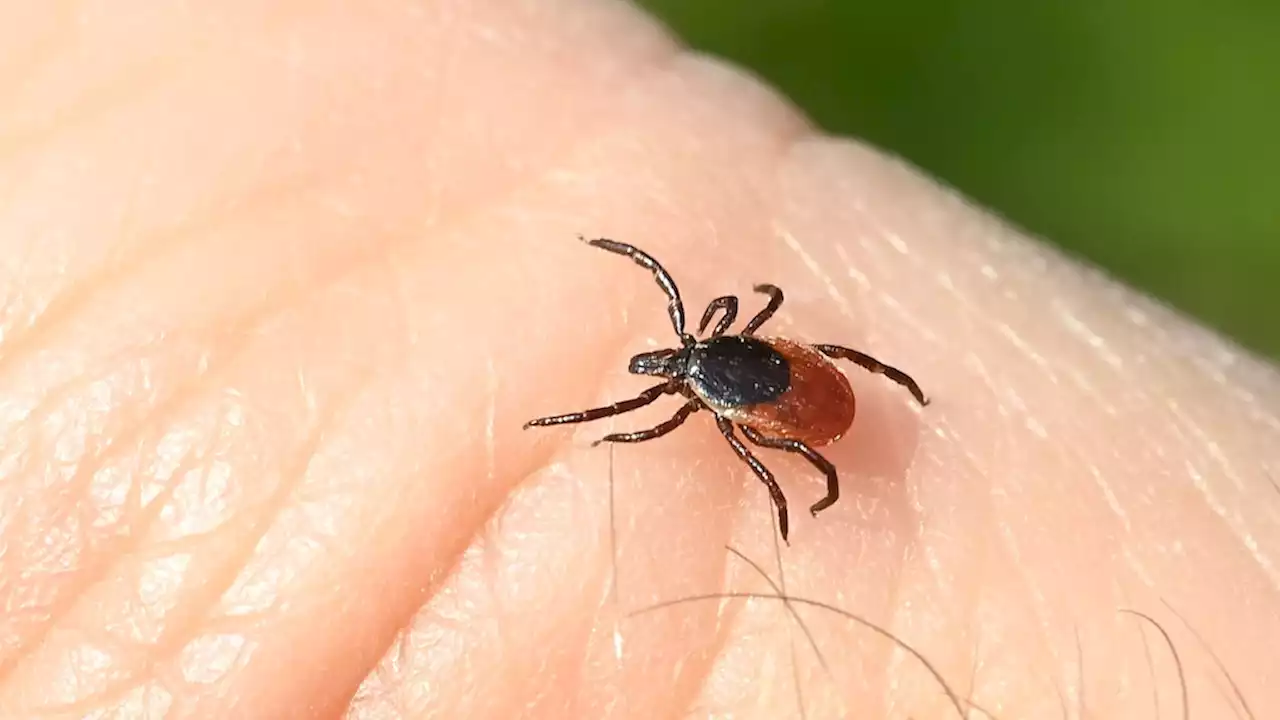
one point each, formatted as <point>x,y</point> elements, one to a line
<point>735,371</point>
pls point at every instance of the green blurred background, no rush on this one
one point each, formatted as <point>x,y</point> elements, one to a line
<point>1141,134</point>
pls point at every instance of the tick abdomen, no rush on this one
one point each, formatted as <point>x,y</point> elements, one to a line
<point>817,407</point>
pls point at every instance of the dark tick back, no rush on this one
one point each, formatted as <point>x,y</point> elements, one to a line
<point>732,371</point>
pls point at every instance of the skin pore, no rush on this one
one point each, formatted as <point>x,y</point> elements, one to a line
<point>282,281</point>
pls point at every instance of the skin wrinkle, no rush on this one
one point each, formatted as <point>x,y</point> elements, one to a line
<point>492,559</point>
<point>120,547</point>
<point>179,623</point>
<point>427,629</point>
<point>121,537</point>
<point>147,252</point>
<point>145,76</point>
<point>690,668</point>
<point>240,332</point>
<point>92,633</point>
<point>692,678</point>
<point>254,317</point>
<point>538,463</point>
<point>781,592</point>
<point>408,331</point>
<point>577,637</point>
<point>292,478</point>
<point>45,406</point>
<point>545,459</point>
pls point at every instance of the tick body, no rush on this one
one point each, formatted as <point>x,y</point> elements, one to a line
<point>779,393</point>
<point>793,393</point>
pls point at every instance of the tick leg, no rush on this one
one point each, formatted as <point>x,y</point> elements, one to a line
<point>675,308</point>
<point>775,301</point>
<point>873,365</point>
<point>729,304</point>
<point>617,408</point>
<point>766,477</point>
<point>824,465</point>
<point>657,431</point>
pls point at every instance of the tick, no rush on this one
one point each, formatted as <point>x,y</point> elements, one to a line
<point>780,394</point>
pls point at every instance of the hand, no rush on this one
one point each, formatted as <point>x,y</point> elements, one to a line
<point>283,282</point>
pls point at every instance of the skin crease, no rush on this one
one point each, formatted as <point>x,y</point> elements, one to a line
<point>282,281</point>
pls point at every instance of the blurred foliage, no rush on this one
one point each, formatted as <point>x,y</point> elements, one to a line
<point>1141,134</point>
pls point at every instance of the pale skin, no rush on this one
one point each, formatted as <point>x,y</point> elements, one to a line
<point>281,287</point>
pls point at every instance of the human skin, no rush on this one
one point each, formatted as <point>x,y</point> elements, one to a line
<point>282,283</point>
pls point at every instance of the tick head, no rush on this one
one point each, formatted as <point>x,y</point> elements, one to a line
<point>666,363</point>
